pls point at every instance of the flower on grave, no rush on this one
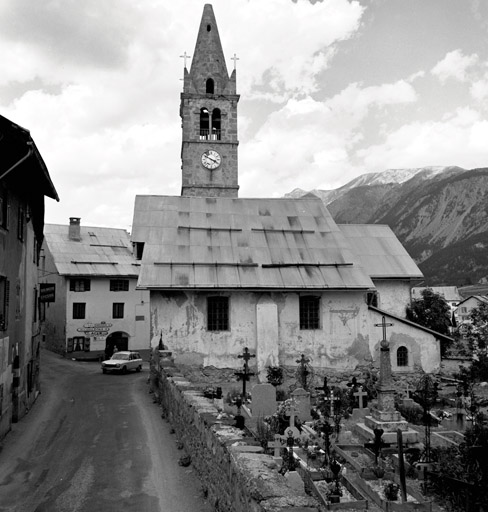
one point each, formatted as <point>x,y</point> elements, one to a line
<point>391,490</point>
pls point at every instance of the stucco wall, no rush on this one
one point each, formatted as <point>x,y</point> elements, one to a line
<point>99,302</point>
<point>394,296</point>
<point>347,338</point>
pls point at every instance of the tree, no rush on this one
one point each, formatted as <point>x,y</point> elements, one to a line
<point>431,311</point>
<point>476,333</point>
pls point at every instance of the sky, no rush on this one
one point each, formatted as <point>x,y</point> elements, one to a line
<point>329,89</point>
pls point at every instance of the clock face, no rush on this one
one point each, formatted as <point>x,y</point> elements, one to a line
<point>211,159</point>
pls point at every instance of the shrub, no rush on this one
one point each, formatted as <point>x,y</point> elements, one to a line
<point>391,491</point>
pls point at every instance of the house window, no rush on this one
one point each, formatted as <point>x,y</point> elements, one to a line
<point>4,301</point>
<point>218,313</point>
<point>3,208</point>
<point>79,285</point>
<point>20,224</point>
<point>79,310</point>
<point>402,356</point>
<point>309,312</point>
<point>118,310</point>
<point>119,285</point>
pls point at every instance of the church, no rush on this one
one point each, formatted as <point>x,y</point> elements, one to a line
<point>277,276</point>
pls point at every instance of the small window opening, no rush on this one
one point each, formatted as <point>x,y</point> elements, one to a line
<point>402,356</point>
<point>209,28</point>
<point>218,313</point>
<point>309,312</point>
<point>209,86</point>
<point>204,124</point>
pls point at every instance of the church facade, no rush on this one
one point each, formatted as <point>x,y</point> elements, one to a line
<point>277,276</point>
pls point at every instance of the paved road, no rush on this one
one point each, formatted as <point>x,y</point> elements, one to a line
<point>94,442</point>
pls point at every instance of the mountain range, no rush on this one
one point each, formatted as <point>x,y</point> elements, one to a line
<point>440,214</point>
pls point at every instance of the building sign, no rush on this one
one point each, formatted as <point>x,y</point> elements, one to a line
<point>47,292</point>
<point>98,330</point>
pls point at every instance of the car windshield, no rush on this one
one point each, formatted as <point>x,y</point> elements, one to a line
<point>120,357</point>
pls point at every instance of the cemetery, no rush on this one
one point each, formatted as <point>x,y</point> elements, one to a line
<point>303,442</point>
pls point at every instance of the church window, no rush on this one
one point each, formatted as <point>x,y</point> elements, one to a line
<point>204,124</point>
<point>218,313</point>
<point>209,86</point>
<point>215,122</point>
<point>372,299</point>
<point>309,312</point>
<point>209,28</point>
<point>402,356</point>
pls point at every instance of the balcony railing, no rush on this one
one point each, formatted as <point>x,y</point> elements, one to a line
<point>206,135</point>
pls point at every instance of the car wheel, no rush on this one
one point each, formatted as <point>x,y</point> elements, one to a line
<point>124,369</point>
<point>139,368</point>
<point>104,370</point>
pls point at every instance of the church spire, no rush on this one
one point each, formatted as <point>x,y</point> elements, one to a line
<point>208,72</point>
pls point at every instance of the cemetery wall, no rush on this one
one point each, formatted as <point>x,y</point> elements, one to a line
<point>234,477</point>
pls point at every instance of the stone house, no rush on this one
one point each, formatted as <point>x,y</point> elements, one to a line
<point>278,276</point>
<point>24,182</point>
<point>95,305</point>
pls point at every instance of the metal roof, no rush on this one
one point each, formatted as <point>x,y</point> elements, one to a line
<point>100,252</point>
<point>380,252</point>
<point>198,242</point>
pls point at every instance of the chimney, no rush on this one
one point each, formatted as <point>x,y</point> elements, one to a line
<point>74,229</point>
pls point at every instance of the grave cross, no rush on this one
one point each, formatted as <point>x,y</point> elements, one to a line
<point>185,56</point>
<point>244,374</point>
<point>235,58</point>
<point>384,325</point>
<point>324,388</point>
<point>303,371</point>
<point>377,444</point>
<point>360,394</point>
<point>332,399</point>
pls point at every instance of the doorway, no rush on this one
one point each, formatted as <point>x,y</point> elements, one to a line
<point>117,339</point>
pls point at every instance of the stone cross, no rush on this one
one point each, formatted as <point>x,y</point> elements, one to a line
<point>235,58</point>
<point>360,394</point>
<point>185,56</point>
<point>384,325</point>
<point>385,366</point>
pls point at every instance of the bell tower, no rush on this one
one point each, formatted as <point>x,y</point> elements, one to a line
<point>208,111</point>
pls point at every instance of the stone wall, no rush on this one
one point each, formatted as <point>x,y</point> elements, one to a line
<point>235,476</point>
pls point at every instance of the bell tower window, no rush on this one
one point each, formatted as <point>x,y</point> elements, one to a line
<point>204,124</point>
<point>209,86</point>
<point>215,121</point>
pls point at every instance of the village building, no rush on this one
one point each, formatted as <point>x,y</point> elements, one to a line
<point>278,276</point>
<point>449,293</point>
<point>463,312</point>
<point>21,234</point>
<point>94,306</point>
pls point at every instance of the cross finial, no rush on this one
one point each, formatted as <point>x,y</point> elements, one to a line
<point>235,59</point>
<point>384,325</point>
<point>185,56</point>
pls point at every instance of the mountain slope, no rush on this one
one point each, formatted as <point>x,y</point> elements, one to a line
<point>439,214</point>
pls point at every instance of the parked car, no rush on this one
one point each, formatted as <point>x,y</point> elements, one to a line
<point>123,361</point>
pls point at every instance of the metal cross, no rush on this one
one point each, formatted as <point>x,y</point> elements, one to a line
<point>185,56</point>
<point>384,325</point>
<point>235,58</point>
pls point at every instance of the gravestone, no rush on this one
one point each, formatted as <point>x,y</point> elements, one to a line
<point>263,400</point>
<point>302,399</point>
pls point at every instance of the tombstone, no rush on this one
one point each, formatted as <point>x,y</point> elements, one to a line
<point>302,399</point>
<point>263,400</point>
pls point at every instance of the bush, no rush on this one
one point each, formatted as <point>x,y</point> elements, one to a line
<point>391,491</point>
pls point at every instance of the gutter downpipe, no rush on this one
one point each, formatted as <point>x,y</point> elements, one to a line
<point>29,153</point>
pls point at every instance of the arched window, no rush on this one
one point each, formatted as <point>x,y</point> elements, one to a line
<point>216,125</point>
<point>204,124</point>
<point>209,86</point>
<point>402,356</point>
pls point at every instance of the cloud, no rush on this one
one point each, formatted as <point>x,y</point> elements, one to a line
<point>310,144</point>
<point>458,139</point>
<point>454,65</point>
